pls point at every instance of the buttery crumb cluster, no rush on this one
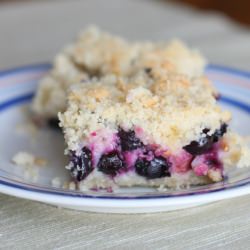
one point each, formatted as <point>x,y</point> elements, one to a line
<point>96,53</point>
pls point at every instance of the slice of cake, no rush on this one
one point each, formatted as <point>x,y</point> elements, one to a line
<point>95,54</point>
<point>158,128</point>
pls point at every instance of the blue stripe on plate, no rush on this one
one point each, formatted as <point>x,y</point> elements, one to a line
<point>16,100</point>
<point>229,70</point>
<point>32,67</point>
<point>236,103</point>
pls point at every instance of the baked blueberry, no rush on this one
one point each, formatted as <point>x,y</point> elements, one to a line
<point>199,147</point>
<point>53,123</point>
<point>128,140</point>
<point>81,165</point>
<point>220,132</point>
<point>156,168</point>
<point>110,164</point>
<point>206,142</point>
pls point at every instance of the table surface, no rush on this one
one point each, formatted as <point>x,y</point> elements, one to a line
<point>33,32</point>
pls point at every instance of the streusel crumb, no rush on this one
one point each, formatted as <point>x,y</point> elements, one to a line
<point>170,108</point>
<point>96,53</point>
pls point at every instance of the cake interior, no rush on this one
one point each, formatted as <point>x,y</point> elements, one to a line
<point>116,154</point>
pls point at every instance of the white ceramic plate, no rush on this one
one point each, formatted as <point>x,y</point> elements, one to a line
<point>17,87</point>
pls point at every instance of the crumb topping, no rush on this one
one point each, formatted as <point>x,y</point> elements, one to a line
<point>26,159</point>
<point>171,109</point>
<point>96,53</point>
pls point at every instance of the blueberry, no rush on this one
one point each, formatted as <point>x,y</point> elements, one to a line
<point>199,147</point>
<point>53,123</point>
<point>219,132</point>
<point>158,167</point>
<point>110,164</point>
<point>128,140</point>
<point>206,142</point>
<point>81,165</point>
<point>217,96</point>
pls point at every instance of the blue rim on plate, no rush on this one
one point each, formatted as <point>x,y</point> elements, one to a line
<point>211,188</point>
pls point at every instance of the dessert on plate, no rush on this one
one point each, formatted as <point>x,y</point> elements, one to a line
<point>158,128</point>
<point>96,53</point>
<point>138,114</point>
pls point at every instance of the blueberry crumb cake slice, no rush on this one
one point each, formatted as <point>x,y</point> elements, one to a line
<point>158,129</point>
